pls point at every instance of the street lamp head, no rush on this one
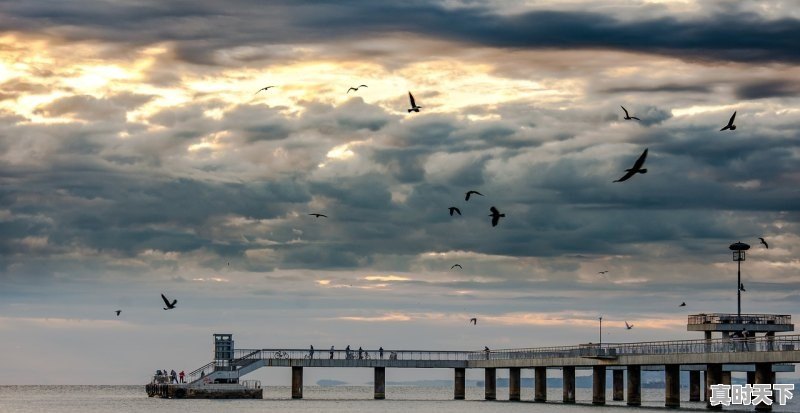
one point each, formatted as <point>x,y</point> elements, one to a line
<point>738,249</point>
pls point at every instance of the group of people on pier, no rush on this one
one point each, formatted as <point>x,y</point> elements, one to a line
<point>171,377</point>
<point>351,354</point>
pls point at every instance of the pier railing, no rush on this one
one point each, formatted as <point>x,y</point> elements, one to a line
<point>343,354</point>
<point>722,345</point>
<point>759,319</point>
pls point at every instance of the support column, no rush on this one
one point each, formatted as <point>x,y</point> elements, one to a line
<point>694,386</point>
<point>619,385</point>
<point>764,376</point>
<point>713,376</point>
<point>514,378</point>
<point>460,383</point>
<point>751,377</point>
<point>568,381</point>
<point>634,385</point>
<point>380,383</point>
<point>490,383</point>
<point>297,382</point>
<point>672,380</point>
<point>540,384</point>
<point>599,385</point>
<point>726,378</point>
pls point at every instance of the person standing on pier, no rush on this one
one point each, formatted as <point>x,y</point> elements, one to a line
<point>331,352</point>
<point>380,351</point>
<point>182,376</point>
<point>347,352</point>
<point>360,353</point>
<point>173,376</point>
<point>311,352</point>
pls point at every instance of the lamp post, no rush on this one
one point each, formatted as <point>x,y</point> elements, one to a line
<point>601,331</point>
<point>738,249</point>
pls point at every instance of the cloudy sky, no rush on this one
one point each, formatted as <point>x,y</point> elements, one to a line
<point>135,159</point>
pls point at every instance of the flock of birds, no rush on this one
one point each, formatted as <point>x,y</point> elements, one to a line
<point>495,214</point>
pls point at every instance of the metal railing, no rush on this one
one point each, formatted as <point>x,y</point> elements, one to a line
<point>201,372</point>
<point>343,354</point>
<point>722,345</point>
<point>719,318</point>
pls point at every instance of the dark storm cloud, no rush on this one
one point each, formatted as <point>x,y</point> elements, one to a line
<point>768,89</point>
<point>201,30</point>
<point>665,88</point>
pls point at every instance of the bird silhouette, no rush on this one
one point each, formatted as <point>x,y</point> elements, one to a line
<point>355,88</point>
<point>741,287</point>
<point>169,305</point>
<point>730,124</point>
<point>628,117</point>
<point>414,107</point>
<point>466,198</point>
<point>496,215</point>
<point>764,243</point>
<point>454,210</point>
<point>474,321</point>
<point>319,215</point>
<point>628,326</point>
<point>264,89</point>
<point>637,168</point>
<point>456,265</point>
<point>118,312</point>
<point>683,304</point>
<point>603,272</point>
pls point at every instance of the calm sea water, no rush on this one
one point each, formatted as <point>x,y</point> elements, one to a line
<point>350,399</point>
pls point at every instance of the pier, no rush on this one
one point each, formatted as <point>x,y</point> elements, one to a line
<point>714,358</point>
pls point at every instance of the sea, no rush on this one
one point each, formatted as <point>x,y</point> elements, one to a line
<point>350,399</point>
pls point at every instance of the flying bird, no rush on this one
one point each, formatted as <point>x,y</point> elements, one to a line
<point>603,272</point>
<point>118,312</point>
<point>355,88</point>
<point>319,215</point>
<point>764,243</point>
<point>628,117</point>
<point>456,265</point>
<point>730,124</point>
<point>496,215</point>
<point>741,287</point>
<point>637,168</point>
<point>170,305</point>
<point>628,326</point>
<point>474,321</point>
<point>264,89</point>
<point>466,198</point>
<point>414,107</point>
<point>683,304</point>
<point>454,210</point>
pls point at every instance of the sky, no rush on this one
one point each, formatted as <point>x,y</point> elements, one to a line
<point>136,159</point>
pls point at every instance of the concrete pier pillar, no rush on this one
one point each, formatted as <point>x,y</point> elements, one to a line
<point>568,381</point>
<point>540,384</point>
<point>599,385</point>
<point>634,385</point>
<point>751,377</point>
<point>460,383</point>
<point>514,380</point>
<point>490,383</point>
<point>380,383</point>
<point>713,376</point>
<point>618,385</point>
<point>694,386</point>
<point>297,382</point>
<point>672,381</point>
<point>764,376</point>
<point>726,378</point>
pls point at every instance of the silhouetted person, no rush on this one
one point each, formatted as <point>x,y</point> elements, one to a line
<point>486,350</point>
<point>347,352</point>
<point>182,376</point>
<point>360,353</point>
<point>311,352</point>
<point>380,351</point>
<point>331,352</point>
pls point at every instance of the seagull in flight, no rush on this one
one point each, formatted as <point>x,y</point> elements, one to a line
<point>414,107</point>
<point>170,305</point>
<point>683,304</point>
<point>456,265</point>
<point>454,210</point>
<point>319,215</point>
<point>741,287</point>
<point>474,321</point>
<point>118,312</point>
<point>730,124</point>
<point>628,117</point>
<point>355,89</point>
<point>637,168</point>
<point>628,326</point>
<point>496,215</point>
<point>764,243</point>
<point>466,198</point>
<point>603,272</point>
<point>264,89</point>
